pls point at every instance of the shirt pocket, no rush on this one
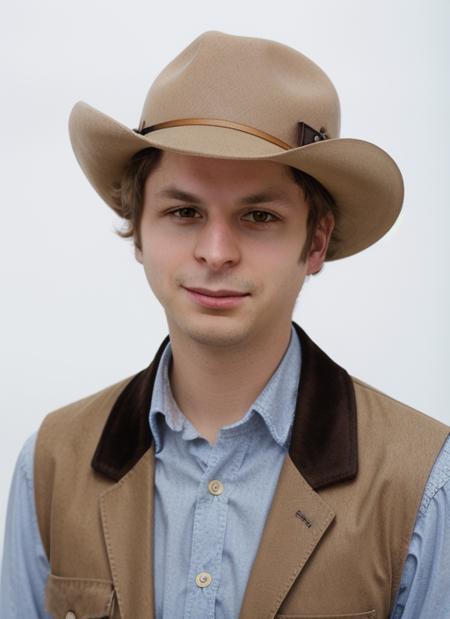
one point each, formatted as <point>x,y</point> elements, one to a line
<point>370,614</point>
<point>80,598</point>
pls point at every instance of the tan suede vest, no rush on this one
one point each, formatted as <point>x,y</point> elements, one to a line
<point>339,526</point>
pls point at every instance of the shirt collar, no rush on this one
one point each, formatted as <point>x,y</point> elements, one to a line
<point>323,445</point>
<point>275,404</point>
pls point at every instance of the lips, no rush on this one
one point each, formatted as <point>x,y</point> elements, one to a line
<point>217,299</point>
<point>218,293</point>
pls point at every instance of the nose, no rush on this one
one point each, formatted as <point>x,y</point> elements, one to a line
<point>217,245</point>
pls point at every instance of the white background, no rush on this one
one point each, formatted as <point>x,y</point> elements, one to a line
<point>77,312</point>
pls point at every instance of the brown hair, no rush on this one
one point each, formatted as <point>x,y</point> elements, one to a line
<point>129,197</point>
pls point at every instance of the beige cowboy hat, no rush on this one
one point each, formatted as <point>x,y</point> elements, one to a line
<point>237,97</point>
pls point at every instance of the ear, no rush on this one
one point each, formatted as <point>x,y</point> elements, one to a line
<point>320,242</point>
<point>138,254</point>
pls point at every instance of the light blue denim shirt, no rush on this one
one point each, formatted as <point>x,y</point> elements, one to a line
<point>211,532</point>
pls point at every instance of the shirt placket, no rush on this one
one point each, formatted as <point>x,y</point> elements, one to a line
<point>210,520</point>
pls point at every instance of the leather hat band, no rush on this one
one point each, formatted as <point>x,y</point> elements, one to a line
<point>215,122</point>
<point>306,134</point>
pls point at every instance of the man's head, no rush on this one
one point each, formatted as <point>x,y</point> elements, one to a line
<point>243,99</point>
<point>224,224</point>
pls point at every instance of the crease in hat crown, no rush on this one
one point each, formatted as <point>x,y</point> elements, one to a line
<point>237,97</point>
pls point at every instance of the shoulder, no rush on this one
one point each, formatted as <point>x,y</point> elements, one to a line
<point>24,463</point>
<point>84,414</point>
<point>403,441</point>
<point>73,430</point>
<point>372,401</point>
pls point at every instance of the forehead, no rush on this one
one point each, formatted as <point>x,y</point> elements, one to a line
<point>209,172</point>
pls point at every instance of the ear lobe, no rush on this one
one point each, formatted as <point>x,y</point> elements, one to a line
<point>316,258</point>
<point>315,263</point>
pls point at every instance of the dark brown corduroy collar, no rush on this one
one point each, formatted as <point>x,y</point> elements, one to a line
<point>324,436</point>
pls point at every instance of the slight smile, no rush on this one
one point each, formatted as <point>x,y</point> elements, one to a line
<point>216,299</point>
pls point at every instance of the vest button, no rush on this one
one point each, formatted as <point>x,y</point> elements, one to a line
<point>203,579</point>
<point>215,487</point>
<point>71,615</point>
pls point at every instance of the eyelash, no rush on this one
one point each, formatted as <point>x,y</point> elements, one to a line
<point>260,223</point>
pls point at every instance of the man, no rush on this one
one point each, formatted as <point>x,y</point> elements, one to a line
<point>243,473</point>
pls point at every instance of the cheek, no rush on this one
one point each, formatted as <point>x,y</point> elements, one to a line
<point>155,262</point>
<point>165,265</point>
<point>283,271</point>
<point>282,259</point>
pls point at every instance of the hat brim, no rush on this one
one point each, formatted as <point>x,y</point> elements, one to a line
<point>363,179</point>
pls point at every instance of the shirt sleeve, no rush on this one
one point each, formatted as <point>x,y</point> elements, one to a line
<point>25,567</point>
<point>424,591</point>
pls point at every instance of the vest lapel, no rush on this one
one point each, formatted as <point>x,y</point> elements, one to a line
<point>297,520</point>
<point>127,519</point>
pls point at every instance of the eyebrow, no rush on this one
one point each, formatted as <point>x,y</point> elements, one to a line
<point>269,195</point>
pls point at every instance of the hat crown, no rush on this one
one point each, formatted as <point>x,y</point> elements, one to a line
<point>251,81</point>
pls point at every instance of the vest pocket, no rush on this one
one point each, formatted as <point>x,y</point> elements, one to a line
<point>79,598</point>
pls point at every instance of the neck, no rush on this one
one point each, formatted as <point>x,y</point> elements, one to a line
<point>231,377</point>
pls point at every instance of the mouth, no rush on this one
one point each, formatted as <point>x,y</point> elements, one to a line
<point>218,293</point>
<point>217,299</point>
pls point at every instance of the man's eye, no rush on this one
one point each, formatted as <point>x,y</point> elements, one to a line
<point>182,212</point>
<point>258,220</point>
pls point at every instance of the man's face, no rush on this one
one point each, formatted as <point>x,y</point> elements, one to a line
<point>222,224</point>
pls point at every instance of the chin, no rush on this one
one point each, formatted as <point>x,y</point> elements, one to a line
<point>214,330</point>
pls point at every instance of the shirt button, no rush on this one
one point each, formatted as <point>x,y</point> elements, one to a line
<point>203,579</point>
<point>215,487</point>
<point>71,615</point>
